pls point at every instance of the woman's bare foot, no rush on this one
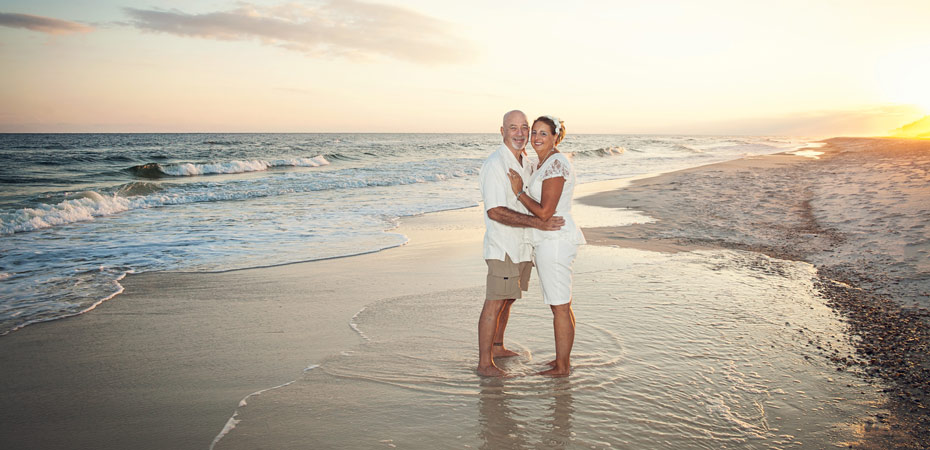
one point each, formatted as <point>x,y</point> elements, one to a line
<point>491,371</point>
<point>551,363</point>
<point>501,352</point>
<point>556,372</point>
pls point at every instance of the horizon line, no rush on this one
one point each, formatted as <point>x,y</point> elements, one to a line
<point>429,132</point>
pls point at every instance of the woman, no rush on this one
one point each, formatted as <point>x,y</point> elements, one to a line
<point>547,193</point>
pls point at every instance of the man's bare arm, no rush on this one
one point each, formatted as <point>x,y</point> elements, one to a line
<point>512,218</point>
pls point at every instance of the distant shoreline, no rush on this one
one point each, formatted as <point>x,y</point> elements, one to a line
<point>412,133</point>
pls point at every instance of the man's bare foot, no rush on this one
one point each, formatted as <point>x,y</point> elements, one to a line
<point>501,352</point>
<point>491,371</point>
<point>556,372</point>
<point>551,363</point>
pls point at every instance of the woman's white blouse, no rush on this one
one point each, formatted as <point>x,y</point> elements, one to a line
<point>556,165</point>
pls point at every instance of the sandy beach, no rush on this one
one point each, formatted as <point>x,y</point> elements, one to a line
<point>167,362</point>
<point>857,211</point>
<point>735,308</point>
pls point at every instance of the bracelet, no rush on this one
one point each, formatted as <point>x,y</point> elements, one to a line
<point>520,193</point>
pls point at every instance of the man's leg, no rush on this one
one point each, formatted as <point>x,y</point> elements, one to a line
<point>487,327</point>
<point>499,350</point>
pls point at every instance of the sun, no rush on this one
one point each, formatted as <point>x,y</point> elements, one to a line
<point>904,77</point>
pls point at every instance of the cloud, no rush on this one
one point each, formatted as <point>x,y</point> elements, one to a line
<point>339,28</point>
<point>42,24</point>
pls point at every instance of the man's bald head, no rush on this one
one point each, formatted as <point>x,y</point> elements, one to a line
<point>515,114</point>
<point>515,131</point>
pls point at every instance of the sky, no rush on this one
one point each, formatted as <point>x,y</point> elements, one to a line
<point>799,68</point>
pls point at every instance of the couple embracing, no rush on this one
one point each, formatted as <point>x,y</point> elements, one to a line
<point>528,220</point>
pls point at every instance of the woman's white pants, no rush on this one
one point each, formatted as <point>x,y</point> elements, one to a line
<point>554,258</point>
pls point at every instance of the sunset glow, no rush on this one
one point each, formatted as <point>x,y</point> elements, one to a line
<point>714,67</point>
<point>905,77</point>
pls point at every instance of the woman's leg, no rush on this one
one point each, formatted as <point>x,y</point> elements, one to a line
<point>554,261</point>
<point>563,323</point>
<point>572,312</point>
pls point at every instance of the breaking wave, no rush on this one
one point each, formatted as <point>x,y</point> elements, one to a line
<point>157,170</point>
<point>602,152</point>
<point>88,205</point>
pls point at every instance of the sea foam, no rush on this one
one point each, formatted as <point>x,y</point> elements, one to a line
<point>85,207</point>
<point>89,205</point>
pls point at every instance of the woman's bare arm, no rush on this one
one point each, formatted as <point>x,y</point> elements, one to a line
<point>551,193</point>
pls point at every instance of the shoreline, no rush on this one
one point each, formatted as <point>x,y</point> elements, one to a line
<point>179,351</point>
<point>115,281</point>
<point>155,312</point>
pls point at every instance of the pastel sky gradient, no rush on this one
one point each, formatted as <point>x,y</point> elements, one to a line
<point>803,68</point>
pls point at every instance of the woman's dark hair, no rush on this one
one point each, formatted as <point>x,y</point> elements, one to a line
<point>546,120</point>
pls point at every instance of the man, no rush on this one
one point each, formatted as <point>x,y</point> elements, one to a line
<point>506,251</point>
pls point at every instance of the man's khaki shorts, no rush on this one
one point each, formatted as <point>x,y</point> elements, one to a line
<point>506,278</point>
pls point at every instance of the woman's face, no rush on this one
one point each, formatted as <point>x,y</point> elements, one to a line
<point>542,138</point>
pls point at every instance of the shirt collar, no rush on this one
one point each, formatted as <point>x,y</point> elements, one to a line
<point>509,158</point>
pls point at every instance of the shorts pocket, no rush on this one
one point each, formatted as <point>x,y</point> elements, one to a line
<point>503,288</point>
<point>503,268</point>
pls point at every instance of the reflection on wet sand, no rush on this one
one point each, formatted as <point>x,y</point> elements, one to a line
<point>559,432</point>
<point>498,428</point>
<point>502,425</point>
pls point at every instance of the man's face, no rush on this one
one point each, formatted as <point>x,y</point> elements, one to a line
<point>515,131</point>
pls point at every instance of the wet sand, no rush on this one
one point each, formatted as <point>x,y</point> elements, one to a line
<point>860,213</point>
<point>165,364</point>
<point>673,351</point>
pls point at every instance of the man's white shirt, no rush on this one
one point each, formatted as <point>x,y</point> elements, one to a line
<point>500,239</point>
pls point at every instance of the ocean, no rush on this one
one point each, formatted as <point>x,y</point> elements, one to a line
<point>80,211</point>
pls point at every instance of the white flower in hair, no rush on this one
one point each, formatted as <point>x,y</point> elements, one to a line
<point>557,122</point>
